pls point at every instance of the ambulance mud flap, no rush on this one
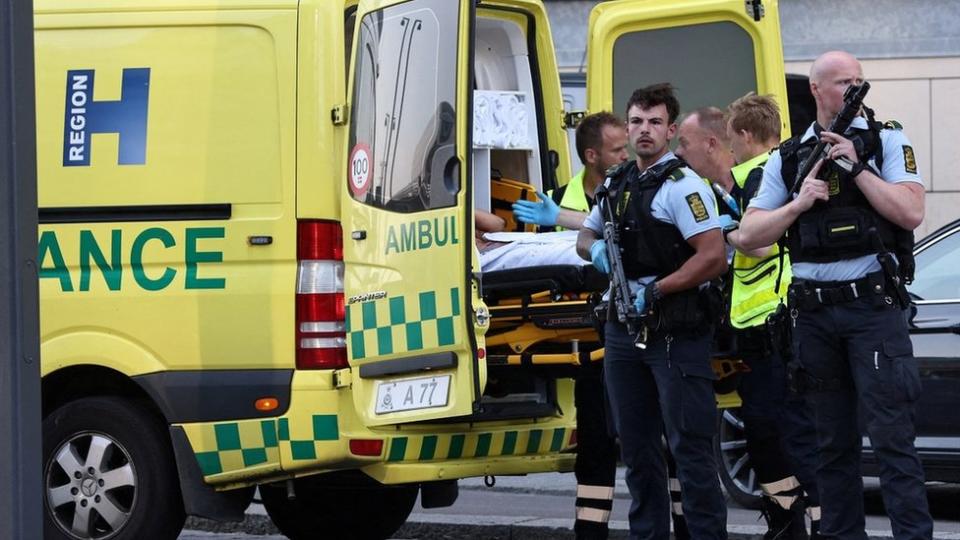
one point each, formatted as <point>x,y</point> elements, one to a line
<point>199,498</point>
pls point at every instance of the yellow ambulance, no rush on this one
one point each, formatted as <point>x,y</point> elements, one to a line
<point>256,244</point>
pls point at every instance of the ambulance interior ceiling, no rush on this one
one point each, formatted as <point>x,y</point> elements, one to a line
<point>506,141</point>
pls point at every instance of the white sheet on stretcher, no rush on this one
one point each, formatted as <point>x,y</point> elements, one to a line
<point>531,249</point>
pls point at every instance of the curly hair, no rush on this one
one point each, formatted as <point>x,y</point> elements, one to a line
<point>653,95</point>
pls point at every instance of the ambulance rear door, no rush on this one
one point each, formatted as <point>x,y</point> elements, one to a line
<point>711,51</point>
<point>406,214</point>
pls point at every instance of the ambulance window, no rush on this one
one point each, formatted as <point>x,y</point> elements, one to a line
<point>708,64</point>
<point>349,23</point>
<point>403,119</point>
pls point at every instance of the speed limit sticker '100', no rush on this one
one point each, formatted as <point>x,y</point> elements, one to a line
<point>361,169</point>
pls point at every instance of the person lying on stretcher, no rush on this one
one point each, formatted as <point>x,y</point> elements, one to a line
<point>601,144</point>
<point>503,250</point>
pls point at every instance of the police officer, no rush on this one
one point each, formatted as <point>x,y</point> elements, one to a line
<point>779,440</point>
<point>851,345</point>
<point>671,246</point>
<point>601,144</point>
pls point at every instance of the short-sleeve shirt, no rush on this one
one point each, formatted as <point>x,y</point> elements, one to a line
<point>672,204</point>
<point>899,165</point>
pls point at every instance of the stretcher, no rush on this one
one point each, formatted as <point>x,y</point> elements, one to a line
<point>550,316</point>
<point>543,315</point>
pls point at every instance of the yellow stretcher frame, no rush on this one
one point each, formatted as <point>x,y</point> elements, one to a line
<point>513,334</point>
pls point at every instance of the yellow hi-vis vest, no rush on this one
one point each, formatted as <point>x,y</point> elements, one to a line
<point>574,198</point>
<point>755,278</point>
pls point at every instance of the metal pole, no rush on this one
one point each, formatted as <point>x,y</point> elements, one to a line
<point>21,503</point>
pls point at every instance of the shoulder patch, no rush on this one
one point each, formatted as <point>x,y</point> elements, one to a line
<point>893,124</point>
<point>909,160</point>
<point>697,207</point>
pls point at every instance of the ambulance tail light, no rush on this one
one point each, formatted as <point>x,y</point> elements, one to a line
<point>321,335</point>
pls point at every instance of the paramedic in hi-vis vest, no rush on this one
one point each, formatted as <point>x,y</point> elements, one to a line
<point>849,230</point>
<point>601,144</point>
<point>730,149</point>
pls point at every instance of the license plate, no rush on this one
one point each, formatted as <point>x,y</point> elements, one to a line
<point>412,394</point>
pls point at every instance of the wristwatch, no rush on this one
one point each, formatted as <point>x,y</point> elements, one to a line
<point>856,169</point>
<point>729,230</point>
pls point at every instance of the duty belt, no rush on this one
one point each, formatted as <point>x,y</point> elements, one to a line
<point>812,294</point>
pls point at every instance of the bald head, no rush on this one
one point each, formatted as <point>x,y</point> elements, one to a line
<point>830,62</point>
<point>830,75</point>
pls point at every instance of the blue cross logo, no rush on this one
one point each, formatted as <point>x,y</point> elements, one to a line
<point>126,117</point>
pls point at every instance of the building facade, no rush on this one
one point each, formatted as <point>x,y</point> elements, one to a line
<point>910,53</point>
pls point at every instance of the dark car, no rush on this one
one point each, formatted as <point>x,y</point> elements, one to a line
<point>935,332</point>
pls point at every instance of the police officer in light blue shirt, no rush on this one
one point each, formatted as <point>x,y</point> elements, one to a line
<point>847,224</point>
<point>893,169</point>
<point>671,246</point>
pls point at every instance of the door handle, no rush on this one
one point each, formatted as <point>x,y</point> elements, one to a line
<point>359,235</point>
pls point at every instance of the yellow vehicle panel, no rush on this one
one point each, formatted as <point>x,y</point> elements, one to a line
<point>162,150</point>
<point>712,51</point>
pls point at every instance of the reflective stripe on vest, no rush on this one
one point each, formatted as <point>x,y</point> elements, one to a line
<point>574,197</point>
<point>754,278</point>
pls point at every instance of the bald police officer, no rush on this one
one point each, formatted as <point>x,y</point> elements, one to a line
<point>850,338</point>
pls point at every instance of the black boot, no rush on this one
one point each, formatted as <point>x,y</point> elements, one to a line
<point>783,524</point>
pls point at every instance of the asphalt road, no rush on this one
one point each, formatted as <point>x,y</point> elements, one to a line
<point>541,506</point>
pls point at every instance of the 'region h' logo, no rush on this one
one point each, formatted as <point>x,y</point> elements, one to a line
<point>126,117</point>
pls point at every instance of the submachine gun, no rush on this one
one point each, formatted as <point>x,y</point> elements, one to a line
<point>852,103</point>
<point>619,287</point>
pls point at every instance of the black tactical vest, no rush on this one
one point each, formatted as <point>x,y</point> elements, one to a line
<point>648,246</point>
<point>845,226</point>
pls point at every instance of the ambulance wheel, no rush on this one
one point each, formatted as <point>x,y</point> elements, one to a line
<point>339,505</point>
<point>108,473</point>
<point>736,471</point>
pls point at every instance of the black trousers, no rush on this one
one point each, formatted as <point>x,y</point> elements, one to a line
<point>596,464</point>
<point>667,385</point>
<point>856,358</point>
<point>779,429</point>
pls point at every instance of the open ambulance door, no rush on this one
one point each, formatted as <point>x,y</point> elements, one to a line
<point>711,51</point>
<point>406,214</point>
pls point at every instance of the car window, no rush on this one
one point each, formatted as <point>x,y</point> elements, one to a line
<point>937,267</point>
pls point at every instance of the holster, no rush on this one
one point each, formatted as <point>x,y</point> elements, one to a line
<point>692,310</point>
<point>779,338</point>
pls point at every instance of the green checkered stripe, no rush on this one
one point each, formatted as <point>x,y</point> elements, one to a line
<point>324,428</point>
<point>478,445</point>
<point>398,324</point>
<point>233,446</point>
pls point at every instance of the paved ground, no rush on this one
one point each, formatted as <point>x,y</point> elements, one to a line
<point>539,507</point>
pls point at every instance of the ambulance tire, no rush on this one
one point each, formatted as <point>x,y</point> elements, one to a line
<point>136,450</point>
<point>736,471</point>
<point>327,506</point>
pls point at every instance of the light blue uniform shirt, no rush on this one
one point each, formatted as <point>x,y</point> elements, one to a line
<point>670,205</point>
<point>773,195</point>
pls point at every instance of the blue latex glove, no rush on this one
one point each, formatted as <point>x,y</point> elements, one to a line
<point>598,254</point>
<point>727,223</point>
<point>542,213</point>
<point>641,301</point>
